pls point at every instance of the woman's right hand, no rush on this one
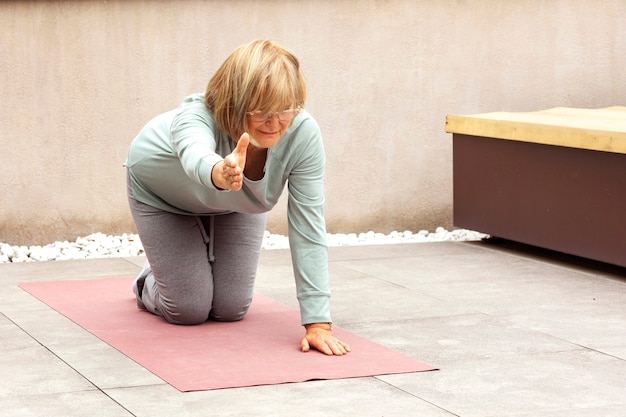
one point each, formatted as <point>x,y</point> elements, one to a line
<point>228,174</point>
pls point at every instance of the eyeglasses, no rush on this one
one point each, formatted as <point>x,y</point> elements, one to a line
<point>284,116</point>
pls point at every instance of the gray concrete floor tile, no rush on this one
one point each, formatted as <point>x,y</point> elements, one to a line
<point>95,360</point>
<point>138,261</point>
<point>275,277</point>
<point>600,411</point>
<point>16,299</point>
<point>617,351</point>
<point>36,370</point>
<point>11,275</point>
<point>12,337</point>
<point>364,299</point>
<point>14,273</point>
<point>554,259</point>
<point>373,252</point>
<point>538,295</point>
<point>587,325</point>
<point>523,384</point>
<point>349,397</point>
<point>444,341</point>
<point>65,404</point>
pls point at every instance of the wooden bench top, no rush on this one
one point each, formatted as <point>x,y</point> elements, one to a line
<point>594,129</point>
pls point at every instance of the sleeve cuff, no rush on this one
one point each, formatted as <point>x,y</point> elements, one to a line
<point>315,309</point>
<point>206,170</point>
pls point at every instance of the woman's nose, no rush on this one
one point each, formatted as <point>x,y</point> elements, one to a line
<point>272,120</point>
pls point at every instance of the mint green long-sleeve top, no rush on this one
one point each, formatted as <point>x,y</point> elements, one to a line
<point>170,163</point>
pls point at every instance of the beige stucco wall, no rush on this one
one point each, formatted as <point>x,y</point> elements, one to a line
<point>79,78</point>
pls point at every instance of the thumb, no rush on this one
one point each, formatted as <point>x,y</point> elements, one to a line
<point>304,345</point>
<point>242,144</point>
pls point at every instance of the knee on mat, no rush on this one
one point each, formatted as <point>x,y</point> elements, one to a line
<point>229,314</point>
<point>187,316</point>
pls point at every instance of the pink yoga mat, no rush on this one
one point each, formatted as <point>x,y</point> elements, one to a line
<point>259,350</point>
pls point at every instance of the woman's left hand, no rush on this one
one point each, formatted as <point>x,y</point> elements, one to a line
<point>319,336</point>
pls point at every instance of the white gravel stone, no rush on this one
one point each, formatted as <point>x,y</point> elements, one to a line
<point>99,245</point>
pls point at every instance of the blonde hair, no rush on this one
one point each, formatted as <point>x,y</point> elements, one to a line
<point>260,75</point>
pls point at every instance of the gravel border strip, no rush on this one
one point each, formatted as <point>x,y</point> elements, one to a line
<point>100,245</point>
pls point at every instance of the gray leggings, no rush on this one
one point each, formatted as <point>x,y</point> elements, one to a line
<point>202,267</point>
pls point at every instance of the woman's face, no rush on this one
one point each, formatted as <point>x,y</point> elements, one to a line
<point>265,134</point>
<point>265,129</point>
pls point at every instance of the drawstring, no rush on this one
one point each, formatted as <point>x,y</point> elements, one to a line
<point>207,238</point>
<point>211,237</point>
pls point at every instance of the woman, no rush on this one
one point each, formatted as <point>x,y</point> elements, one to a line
<point>200,180</point>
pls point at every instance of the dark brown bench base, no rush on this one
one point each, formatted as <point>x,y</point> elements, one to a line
<point>565,199</point>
